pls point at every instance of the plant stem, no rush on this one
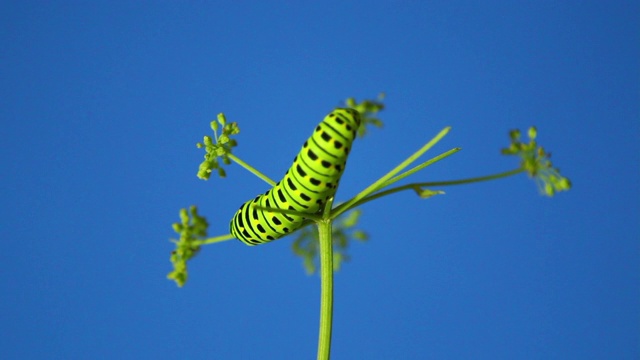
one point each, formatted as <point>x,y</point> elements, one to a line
<point>437,183</point>
<point>251,169</point>
<point>475,179</point>
<point>381,182</point>
<point>326,291</point>
<point>420,167</point>
<point>213,240</point>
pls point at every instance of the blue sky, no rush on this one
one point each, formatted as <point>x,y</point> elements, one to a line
<point>101,105</point>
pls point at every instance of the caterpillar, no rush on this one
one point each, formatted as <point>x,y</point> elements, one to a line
<point>307,185</point>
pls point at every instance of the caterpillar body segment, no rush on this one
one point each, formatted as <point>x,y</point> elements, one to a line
<point>307,185</point>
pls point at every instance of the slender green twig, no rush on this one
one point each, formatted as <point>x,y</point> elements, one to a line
<point>380,182</point>
<point>327,208</point>
<point>212,240</point>
<point>438,183</point>
<point>420,167</point>
<point>251,169</point>
<point>326,292</point>
<point>473,179</point>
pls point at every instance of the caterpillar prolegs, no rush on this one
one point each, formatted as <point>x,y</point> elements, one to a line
<point>307,185</point>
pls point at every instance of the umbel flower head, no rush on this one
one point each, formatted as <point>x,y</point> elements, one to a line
<point>217,148</point>
<point>191,229</point>
<point>536,162</point>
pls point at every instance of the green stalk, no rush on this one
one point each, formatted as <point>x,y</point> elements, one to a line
<point>326,291</point>
<point>420,167</point>
<point>252,170</point>
<point>437,183</point>
<point>474,179</point>
<point>383,180</point>
<point>213,240</point>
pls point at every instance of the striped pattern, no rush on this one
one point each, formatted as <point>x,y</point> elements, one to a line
<point>308,184</point>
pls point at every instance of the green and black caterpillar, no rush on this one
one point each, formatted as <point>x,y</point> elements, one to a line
<point>307,185</point>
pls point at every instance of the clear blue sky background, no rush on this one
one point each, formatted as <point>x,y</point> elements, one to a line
<point>102,102</point>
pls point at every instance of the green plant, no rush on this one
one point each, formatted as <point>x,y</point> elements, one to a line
<point>326,247</point>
